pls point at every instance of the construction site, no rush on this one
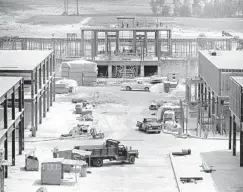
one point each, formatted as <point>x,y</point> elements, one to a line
<point>124,107</point>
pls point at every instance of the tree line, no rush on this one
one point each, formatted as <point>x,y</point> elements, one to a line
<point>198,8</point>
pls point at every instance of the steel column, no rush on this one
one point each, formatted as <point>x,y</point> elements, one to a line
<point>13,147</point>
<point>44,103</point>
<point>134,42</point>
<point>117,42</point>
<point>234,136</point>
<point>6,154</point>
<point>241,145</point>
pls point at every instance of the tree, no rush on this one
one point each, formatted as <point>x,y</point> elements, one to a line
<point>154,4</point>
<point>197,8</point>
<point>166,10</point>
<point>185,9</point>
<point>209,10</point>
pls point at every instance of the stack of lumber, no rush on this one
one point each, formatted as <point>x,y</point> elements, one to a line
<point>82,71</point>
<point>66,86</point>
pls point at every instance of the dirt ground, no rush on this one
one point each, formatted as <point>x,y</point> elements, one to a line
<point>116,114</point>
<point>33,18</point>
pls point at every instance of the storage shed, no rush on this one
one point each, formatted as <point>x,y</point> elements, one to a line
<point>82,71</point>
<point>37,67</point>
<point>52,171</point>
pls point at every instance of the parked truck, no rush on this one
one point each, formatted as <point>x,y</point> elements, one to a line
<point>149,125</point>
<point>138,85</point>
<point>112,150</point>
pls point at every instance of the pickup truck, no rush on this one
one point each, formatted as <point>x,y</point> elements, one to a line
<point>111,150</point>
<point>149,125</point>
<point>138,85</point>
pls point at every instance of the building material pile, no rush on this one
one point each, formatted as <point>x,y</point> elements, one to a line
<point>83,71</point>
<point>65,86</point>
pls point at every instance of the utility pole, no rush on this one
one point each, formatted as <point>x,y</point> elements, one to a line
<point>66,7</point>
<point>77,7</point>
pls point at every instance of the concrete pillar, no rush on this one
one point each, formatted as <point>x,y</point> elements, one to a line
<point>134,47</point>
<point>169,42</point>
<point>145,43</point>
<point>195,91</point>
<point>156,43</point>
<point>95,43</point>
<point>117,42</point>
<point>110,70</point>
<point>106,43</point>
<point>82,43</point>
<point>159,69</point>
<point>142,70</point>
<point>198,91</point>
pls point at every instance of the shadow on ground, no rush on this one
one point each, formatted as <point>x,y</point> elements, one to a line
<point>228,175</point>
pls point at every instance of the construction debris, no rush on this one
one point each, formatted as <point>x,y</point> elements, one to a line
<point>65,86</point>
<point>183,153</point>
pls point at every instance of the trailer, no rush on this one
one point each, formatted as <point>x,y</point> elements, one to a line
<point>149,125</point>
<point>111,150</point>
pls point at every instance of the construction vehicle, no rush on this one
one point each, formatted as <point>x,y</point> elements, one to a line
<point>149,125</point>
<point>169,111</point>
<point>112,150</point>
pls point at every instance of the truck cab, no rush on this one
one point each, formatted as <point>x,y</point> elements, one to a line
<point>149,125</point>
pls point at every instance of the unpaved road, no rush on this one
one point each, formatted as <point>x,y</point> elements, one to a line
<point>152,171</point>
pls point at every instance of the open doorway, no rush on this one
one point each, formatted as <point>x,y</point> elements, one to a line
<point>103,71</point>
<point>150,70</point>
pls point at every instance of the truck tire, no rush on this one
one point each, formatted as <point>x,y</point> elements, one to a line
<point>98,162</point>
<point>146,88</point>
<point>128,88</point>
<point>158,132</point>
<point>132,159</point>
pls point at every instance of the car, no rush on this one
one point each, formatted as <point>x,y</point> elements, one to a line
<point>138,85</point>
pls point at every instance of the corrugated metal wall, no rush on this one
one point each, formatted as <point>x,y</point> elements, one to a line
<point>226,82</point>
<point>235,98</point>
<point>209,73</point>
